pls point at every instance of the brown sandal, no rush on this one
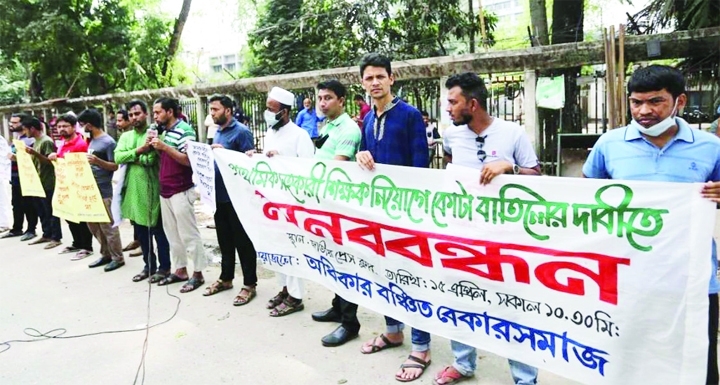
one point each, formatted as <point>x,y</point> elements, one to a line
<point>288,306</point>
<point>276,300</point>
<point>216,287</point>
<point>419,363</point>
<point>374,347</point>
<point>244,299</point>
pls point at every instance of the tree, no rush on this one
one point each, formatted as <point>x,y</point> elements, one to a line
<point>538,20</point>
<point>84,47</point>
<point>177,33</point>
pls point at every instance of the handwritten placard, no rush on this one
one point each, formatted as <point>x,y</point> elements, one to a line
<point>30,184</point>
<point>604,282</point>
<point>78,197</point>
<point>202,161</point>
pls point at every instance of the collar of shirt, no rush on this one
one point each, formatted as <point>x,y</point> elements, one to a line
<point>336,122</point>
<point>230,126</point>
<point>73,145</point>
<point>684,132</point>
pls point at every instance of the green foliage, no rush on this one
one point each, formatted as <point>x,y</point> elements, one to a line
<point>86,47</point>
<point>13,82</point>
<point>302,35</point>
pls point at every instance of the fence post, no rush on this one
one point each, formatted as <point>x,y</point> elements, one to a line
<point>202,130</point>
<point>444,120</point>
<point>532,123</point>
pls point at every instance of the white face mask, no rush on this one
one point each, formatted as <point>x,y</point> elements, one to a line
<point>272,118</point>
<point>659,128</point>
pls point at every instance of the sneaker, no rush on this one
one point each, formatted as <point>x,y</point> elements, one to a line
<point>39,241</point>
<point>27,237</point>
<point>52,245</point>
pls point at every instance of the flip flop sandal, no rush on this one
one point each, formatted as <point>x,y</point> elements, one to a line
<point>288,308</point>
<point>215,288</point>
<point>142,276</point>
<point>172,278</point>
<point>82,254</point>
<point>157,277</point>
<point>241,299</point>
<point>374,348</point>
<point>449,377</point>
<point>192,284</point>
<point>276,300</point>
<point>69,250</point>
<point>420,364</point>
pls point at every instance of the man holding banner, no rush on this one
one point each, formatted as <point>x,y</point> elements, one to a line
<point>73,142</point>
<point>101,156</point>
<point>286,139</point>
<point>231,234</point>
<point>659,146</point>
<point>22,207</point>
<point>339,140</point>
<point>496,147</point>
<point>393,133</point>
<point>44,146</point>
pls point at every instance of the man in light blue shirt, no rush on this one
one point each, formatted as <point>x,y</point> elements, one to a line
<point>308,120</point>
<point>658,146</point>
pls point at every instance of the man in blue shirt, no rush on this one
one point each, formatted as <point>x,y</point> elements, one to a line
<point>658,146</point>
<point>393,133</point>
<point>308,120</point>
<point>231,234</point>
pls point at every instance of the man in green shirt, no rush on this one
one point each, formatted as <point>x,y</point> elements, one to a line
<point>141,191</point>
<point>43,147</point>
<point>338,140</point>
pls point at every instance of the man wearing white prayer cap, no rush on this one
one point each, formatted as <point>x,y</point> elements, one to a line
<point>285,138</point>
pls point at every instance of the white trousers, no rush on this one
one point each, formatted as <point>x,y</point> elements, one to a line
<point>295,285</point>
<point>180,225</point>
<point>5,208</point>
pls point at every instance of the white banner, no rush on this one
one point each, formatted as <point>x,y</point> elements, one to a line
<point>5,162</point>
<point>202,162</point>
<point>600,281</point>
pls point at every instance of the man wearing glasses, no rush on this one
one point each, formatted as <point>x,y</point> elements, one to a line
<point>495,146</point>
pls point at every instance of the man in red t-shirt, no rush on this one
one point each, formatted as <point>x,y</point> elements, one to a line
<point>364,109</point>
<point>73,142</point>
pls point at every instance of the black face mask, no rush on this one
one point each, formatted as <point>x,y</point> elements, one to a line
<point>321,140</point>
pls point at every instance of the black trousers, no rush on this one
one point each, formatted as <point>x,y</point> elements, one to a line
<point>82,237</point>
<point>712,367</point>
<point>348,314</point>
<point>23,207</point>
<point>232,238</point>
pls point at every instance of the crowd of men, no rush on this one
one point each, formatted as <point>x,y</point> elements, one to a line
<point>158,193</point>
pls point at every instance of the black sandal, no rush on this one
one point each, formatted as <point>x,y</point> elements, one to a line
<point>172,278</point>
<point>159,276</point>
<point>192,284</point>
<point>143,275</point>
<point>276,300</point>
<point>288,307</point>
<point>421,364</point>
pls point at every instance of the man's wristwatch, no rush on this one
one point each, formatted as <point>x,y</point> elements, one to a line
<point>516,169</point>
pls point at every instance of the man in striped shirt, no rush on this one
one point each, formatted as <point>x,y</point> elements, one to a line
<point>177,195</point>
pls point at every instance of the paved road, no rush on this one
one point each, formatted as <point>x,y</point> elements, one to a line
<point>208,342</point>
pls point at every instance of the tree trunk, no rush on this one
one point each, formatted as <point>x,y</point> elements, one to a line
<point>568,28</point>
<point>471,15</point>
<point>538,20</point>
<point>177,33</point>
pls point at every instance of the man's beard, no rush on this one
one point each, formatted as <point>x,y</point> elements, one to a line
<point>465,119</point>
<point>221,120</point>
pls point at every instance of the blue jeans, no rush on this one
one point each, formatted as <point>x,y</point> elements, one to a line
<point>420,339</point>
<point>145,235</point>
<point>466,363</point>
<point>50,224</point>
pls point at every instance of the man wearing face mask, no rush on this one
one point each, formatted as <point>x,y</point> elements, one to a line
<point>285,138</point>
<point>659,146</point>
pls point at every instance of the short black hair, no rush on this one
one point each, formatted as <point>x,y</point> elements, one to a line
<point>359,97</point>
<point>136,102</point>
<point>375,60</point>
<point>20,115</point>
<point>473,87</point>
<point>424,113</point>
<point>124,114</point>
<point>91,116</point>
<point>656,78</point>
<point>335,86</point>
<point>224,100</point>
<point>69,118</point>
<point>169,104</point>
<point>28,122</point>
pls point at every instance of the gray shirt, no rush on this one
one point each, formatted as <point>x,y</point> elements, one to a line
<point>104,148</point>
